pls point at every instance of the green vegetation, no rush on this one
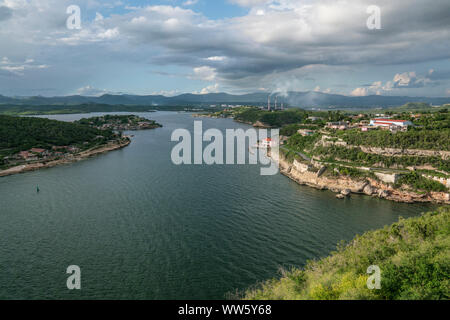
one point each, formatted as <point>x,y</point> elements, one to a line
<point>86,108</point>
<point>358,157</point>
<point>22,133</point>
<point>342,149</point>
<point>413,255</point>
<point>291,129</point>
<point>418,182</point>
<point>414,106</point>
<point>350,172</point>
<point>302,144</point>
<point>119,122</point>
<point>280,118</point>
<point>273,119</point>
<point>412,139</point>
<point>349,161</point>
<point>250,115</point>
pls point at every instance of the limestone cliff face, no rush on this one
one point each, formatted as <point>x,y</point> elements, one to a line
<point>392,152</point>
<point>345,185</point>
<point>328,141</point>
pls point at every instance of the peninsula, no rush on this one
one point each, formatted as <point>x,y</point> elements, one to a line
<point>29,143</point>
<point>120,122</point>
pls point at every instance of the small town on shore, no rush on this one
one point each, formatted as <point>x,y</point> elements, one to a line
<point>120,123</point>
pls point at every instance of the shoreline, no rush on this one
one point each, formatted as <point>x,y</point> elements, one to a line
<point>78,157</point>
<point>257,124</point>
<point>345,186</point>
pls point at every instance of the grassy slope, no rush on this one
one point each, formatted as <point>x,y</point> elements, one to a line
<point>413,255</point>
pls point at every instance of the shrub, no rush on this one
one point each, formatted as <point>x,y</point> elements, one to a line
<point>413,255</point>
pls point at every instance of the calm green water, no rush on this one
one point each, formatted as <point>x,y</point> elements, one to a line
<point>140,227</point>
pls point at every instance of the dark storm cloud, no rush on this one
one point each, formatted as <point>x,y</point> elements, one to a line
<point>284,37</point>
<point>282,40</point>
<point>5,13</point>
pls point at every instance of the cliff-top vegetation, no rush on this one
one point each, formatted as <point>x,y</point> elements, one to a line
<point>412,254</point>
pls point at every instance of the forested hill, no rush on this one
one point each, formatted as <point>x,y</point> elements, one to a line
<point>295,99</point>
<point>25,110</point>
<point>22,133</point>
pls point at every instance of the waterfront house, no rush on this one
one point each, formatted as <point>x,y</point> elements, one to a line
<point>39,151</point>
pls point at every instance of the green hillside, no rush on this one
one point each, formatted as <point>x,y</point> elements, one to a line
<point>22,133</point>
<point>413,255</point>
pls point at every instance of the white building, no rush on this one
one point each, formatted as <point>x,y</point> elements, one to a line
<point>266,143</point>
<point>390,123</point>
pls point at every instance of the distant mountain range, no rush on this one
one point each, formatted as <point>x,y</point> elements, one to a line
<point>305,100</point>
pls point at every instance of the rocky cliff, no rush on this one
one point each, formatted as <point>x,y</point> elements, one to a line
<point>328,141</point>
<point>344,186</point>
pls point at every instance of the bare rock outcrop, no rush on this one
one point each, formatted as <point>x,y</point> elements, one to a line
<point>342,185</point>
<point>346,192</point>
<point>368,190</point>
<point>383,194</point>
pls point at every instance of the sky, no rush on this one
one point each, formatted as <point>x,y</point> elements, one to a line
<point>171,47</point>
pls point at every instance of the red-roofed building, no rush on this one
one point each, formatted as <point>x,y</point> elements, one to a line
<point>38,151</point>
<point>390,122</point>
